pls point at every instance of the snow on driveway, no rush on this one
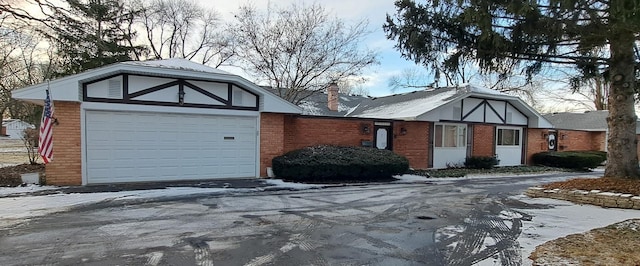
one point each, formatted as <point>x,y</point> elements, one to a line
<point>17,209</point>
<point>547,224</point>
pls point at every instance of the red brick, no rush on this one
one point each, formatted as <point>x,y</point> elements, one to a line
<point>66,166</point>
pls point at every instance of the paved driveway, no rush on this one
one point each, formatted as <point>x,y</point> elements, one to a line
<point>445,223</point>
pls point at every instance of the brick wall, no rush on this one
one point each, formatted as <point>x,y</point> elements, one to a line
<point>272,137</point>
<point>598,141</point>
<point>66,166</point>
<point>536,142</point>
<point>414,144</point>
<point>283,133</point>
<point>483,140</point>
<point>574,140</point>
<point>307,131</point>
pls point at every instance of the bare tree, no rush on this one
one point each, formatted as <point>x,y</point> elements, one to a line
<point>22,63</point>
<point>410,78</point>
<point>30,140</point>
<point>184,29</point>
<point>298,50</point>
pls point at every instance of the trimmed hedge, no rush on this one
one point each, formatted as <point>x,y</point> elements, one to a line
<point>480,162</point>
<point>336,163</point>
<point>570,159</point>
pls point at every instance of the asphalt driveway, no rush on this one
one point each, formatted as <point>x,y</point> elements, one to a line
<point>445,223</point>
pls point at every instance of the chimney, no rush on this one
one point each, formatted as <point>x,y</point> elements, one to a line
<point>332,93</point>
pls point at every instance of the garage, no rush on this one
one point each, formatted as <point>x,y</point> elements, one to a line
<point>151,121</point>
<point>149,146</point>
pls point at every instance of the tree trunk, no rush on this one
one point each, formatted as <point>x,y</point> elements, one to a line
<point>622,161</point>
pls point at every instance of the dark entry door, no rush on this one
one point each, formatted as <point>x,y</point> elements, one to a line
<point>383,133</point>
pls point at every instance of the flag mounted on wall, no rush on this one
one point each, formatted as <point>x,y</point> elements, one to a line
<point>45,140</point>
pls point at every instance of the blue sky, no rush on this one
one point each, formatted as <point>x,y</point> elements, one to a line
<point>391,63</point>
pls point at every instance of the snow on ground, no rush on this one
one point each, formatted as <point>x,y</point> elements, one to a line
<point>564,219</point>
<point>547,224</point>
<point>26,189</point>
<point>290,185</point>
<point>16,209</point>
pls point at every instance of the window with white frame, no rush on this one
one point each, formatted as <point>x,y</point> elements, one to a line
<point>450,135</point>
<point>508,137</point>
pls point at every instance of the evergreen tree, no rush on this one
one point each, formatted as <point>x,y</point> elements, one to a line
<point>91,34</point>
<point>497,33</point>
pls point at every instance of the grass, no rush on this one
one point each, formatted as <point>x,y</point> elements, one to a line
<point>616,244</point>
<point>462,172</point>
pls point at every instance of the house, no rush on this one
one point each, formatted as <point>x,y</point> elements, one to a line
<point>579,131</point>
<point>440,127</point>
<point>174,119</point>
<point>14,128</point>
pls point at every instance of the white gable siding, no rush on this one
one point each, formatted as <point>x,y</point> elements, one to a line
<point>169,94</point>
<point>108,88</point>
<point>472,115</point>
<point>242,98</point>
<point>218,89</point>
<point>515,117</point>
<point>193,96</point>
<point>138,83</point>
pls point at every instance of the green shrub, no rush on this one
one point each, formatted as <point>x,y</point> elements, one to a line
<point>335,163</point>
<point>480,162</point>
<point>570,159</point>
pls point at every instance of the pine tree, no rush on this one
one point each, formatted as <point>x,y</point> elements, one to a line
<point>91,34</point>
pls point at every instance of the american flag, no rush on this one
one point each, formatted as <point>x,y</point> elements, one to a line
<point>45,141</point>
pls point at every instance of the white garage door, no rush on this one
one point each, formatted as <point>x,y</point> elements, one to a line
<point>139,146</point>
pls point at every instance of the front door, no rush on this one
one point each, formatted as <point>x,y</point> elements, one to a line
<point>383,133</point>
<point>509,146</point>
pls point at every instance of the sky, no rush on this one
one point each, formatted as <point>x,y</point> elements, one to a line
<point>391,62</point>
<point>350,11</point>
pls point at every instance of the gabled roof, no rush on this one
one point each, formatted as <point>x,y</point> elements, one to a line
<point>586,121</point>
<point>69,88</point>
<point>417,105</point>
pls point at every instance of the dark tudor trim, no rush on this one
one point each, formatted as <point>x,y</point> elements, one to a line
<point>127,98</point>
<point>484,103</point>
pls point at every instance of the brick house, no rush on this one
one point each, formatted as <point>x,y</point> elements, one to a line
<point>177,120</point>
<point>579,131</point>
<point>433,128</point>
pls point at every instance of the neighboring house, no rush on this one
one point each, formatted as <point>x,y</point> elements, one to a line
<point>178,120</point>
<point>14,128</point>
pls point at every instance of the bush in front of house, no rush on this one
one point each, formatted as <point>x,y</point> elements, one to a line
<point>337,163</point>
<point>480,162</point>
<point>570,159</point>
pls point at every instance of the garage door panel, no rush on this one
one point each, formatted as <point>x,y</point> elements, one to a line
<point>138,147</point>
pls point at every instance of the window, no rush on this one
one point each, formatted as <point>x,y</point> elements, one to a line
<point>450,136</point>
<point>508,137</point>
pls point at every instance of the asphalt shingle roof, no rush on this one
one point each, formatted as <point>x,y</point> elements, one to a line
<point>318,103</point>
<point>588,121</point>
<point>406,105</point>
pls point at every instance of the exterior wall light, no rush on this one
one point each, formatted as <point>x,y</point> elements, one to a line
<point>403,131</point>
<point>181,96</point>
<point>365,129</point>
